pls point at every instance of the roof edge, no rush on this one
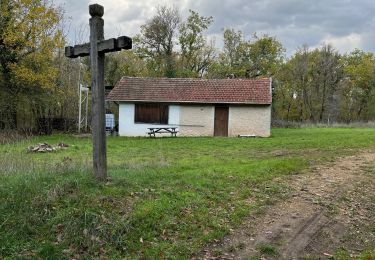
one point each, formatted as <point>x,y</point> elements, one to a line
<point>203,79</point>
<point>190,102</point>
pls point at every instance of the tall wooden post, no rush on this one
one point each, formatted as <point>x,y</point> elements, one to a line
<point>97,48</point>
<point>98,98</point>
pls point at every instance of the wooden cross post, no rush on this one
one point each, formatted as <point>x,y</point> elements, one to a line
<point>97,49</point>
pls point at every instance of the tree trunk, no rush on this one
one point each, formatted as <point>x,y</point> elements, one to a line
<point>10,111</point>
<point>170,69</point>
<point>323,106</point>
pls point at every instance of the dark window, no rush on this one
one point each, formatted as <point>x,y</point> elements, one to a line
<point>151,113</point>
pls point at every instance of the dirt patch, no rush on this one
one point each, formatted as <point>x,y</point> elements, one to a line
<point>330,211</point>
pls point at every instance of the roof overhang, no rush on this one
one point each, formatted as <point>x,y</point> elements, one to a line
<point>191,102</point>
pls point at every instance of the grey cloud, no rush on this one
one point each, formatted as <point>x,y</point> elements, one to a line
<point>76,18</point>
<point>293,22</point>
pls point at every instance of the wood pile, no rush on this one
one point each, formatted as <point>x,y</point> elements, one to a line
<point>46,148</point>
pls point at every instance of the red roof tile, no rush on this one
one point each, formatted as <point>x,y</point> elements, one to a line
<point>242,91</point>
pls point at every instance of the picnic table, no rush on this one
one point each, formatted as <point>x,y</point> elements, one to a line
<point>162,130</point>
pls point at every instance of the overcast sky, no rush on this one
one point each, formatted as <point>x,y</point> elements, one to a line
<point>346,24</point>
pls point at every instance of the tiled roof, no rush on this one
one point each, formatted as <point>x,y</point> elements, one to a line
<point>242,91</point>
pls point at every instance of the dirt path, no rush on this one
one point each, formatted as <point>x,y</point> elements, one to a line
<point>332,208</point>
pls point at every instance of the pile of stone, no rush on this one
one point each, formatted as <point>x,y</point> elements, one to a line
<point>46,148</point>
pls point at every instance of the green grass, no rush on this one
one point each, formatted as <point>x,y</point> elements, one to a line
<point>266,249</point>
<point>166,198</point>
<point>344,255</point>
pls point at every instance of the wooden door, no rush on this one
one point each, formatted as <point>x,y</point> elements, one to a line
<point>221,121</point>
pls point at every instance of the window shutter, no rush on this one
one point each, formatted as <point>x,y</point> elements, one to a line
<point>151,113</point>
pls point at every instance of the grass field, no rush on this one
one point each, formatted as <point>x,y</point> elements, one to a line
<point>166,197</point>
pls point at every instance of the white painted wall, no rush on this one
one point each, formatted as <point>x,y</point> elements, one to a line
<point>127,127</point>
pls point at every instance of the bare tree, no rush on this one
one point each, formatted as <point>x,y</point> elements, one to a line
<point>157,38</point>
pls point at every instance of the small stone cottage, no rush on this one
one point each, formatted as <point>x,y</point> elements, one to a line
<point>197,107</point>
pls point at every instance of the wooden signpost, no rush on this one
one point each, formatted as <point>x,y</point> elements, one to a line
<point>97,49</point>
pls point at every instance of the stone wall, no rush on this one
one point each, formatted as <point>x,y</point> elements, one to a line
<point>196,120</point>
<point>250,120</point>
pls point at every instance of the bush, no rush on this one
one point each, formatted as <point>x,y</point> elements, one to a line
<point>11,136</point>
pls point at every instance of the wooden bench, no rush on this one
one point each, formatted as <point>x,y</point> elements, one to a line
<point>162,130</point>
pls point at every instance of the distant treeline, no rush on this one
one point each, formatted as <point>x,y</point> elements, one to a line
<point>36,80</point>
